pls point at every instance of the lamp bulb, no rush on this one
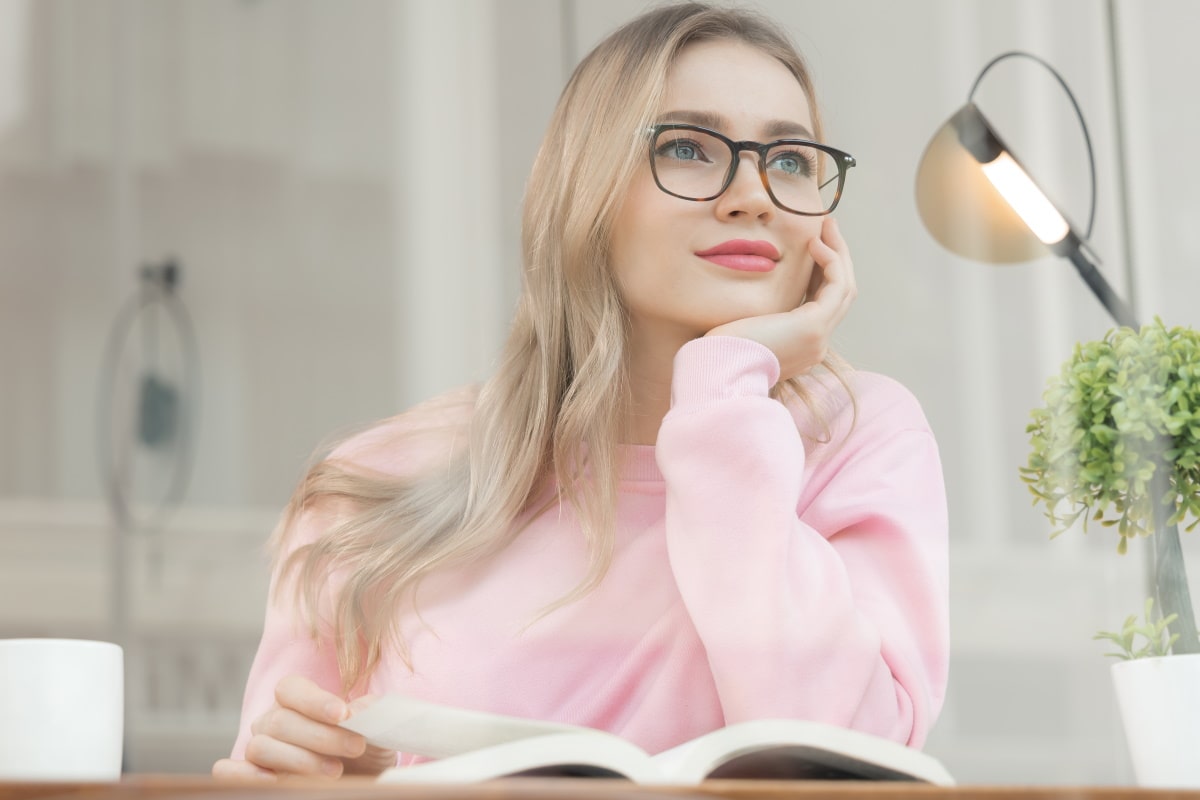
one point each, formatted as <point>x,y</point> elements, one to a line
<point>1031,205</point>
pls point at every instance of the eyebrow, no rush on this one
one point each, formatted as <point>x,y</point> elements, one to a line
<point>772,129</point>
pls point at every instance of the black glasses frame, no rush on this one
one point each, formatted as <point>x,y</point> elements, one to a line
<point>843,160</point>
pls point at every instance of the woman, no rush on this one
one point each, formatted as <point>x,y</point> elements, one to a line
<point>669,509</point>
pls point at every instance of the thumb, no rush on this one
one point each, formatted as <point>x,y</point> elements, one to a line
<point>361,703</point>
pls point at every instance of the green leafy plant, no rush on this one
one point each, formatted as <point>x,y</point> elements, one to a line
<point>1117,442</point>
<point>1153,631</point>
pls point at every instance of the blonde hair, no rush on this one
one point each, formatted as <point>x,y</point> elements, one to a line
<point>560,390</point>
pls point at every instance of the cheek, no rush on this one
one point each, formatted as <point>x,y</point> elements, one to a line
<point>641,236</point>
<point>623,258</point>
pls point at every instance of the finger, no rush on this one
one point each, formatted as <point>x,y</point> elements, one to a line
<point>374,761</point>
<point>301,694</point>
<point>256,726</point>
<point>822,251</point>
<point>815,279</point>
<point>831,252</point>
<point>832,235</point>
<point>229,769</point>
<point>284,758</point>
<point>292,727</point>
<point>827,284</point>
<point>360,703</point>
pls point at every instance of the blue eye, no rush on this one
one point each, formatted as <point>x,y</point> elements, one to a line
<point>681,150</point>
<point>793,163</point>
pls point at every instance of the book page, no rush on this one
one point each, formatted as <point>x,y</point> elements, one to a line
<point>436,731</point>
<point>802,763</point>
<point>797,750</point>
<point>591,754</point>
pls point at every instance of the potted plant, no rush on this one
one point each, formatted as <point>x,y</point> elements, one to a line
<point>1117,442</point>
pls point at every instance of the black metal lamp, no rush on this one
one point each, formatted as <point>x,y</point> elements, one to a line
<point>978,201</point>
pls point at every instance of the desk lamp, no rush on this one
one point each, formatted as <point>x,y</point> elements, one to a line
<point>978,201</point>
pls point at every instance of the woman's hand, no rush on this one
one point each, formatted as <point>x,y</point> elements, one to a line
<point>299,735</point>
<point>800,337</point>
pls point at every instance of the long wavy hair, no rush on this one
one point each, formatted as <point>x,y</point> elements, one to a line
<point>545,427</point>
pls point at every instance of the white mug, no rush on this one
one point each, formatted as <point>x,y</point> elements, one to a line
<point>62,710</point>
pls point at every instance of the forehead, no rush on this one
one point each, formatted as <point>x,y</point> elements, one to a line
<point>737,82</point>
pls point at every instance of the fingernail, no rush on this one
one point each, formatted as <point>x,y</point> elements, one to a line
<point>331,768</point>
<point>336,711</point>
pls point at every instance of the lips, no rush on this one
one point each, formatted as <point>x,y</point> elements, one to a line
<point>743,255</point>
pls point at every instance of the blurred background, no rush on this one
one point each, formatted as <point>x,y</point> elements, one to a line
<point>231,229</point>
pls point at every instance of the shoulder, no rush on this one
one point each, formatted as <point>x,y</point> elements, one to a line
<point>403,444</point>
<point>886,400</point>
<point>861,404</point>
<point>367,465</point>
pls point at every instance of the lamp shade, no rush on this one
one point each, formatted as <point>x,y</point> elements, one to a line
<point>960,206</point>
<point>978,201</point>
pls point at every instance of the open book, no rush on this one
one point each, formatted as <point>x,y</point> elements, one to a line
<point>473,746</point>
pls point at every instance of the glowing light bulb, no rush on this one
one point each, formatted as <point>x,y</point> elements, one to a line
<point>1026,199</point>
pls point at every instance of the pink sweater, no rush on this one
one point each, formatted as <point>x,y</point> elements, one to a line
<point>755,575</point>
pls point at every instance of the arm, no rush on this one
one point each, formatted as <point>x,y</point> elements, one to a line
<point>294,697</point>
<point>294,701</point>
<point>823,600</point>
<point>286,648</point>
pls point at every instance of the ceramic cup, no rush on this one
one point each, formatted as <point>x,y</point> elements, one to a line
<point>62,710</point>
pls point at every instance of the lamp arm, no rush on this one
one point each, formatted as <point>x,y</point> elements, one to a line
<point>1171,588</point>
<point>1170,574</point>
<point>1087,139</point>
<point>1116,307</point>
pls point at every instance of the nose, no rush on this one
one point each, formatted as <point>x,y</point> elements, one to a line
<point>746,195</point>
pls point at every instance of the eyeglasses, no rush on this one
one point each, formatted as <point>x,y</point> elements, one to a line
<point>695,163</point>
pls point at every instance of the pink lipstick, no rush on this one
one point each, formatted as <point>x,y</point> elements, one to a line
<point>743,255</point>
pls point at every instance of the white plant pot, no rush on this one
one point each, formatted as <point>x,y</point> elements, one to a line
<point>1159,699</point>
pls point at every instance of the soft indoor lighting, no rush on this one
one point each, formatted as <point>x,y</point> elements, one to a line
<point>977,201</point>
<point>1026,199</point>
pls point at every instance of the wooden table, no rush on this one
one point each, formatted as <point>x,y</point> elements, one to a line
<point>154,787</point>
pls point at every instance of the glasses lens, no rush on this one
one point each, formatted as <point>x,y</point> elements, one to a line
<point>690,163</point>
<point>802,178</point>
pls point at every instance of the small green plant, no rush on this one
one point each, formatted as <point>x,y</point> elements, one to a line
<point>1122,410</point>
<point>1153,631</point>
<point>1117,442</point>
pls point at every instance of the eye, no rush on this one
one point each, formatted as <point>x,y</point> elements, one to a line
<point>681,150</point>
<point>793,163</point>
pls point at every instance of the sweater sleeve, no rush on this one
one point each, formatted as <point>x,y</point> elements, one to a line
<point>411,443</point>
<point>821,593</point>
<point>286,648</point>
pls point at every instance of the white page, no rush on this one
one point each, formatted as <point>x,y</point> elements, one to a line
<point>588,754</point>
<point>689,762</point>
<point>435,731</point>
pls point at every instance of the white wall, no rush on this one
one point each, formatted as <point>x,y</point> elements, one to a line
<point>342,259</point>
